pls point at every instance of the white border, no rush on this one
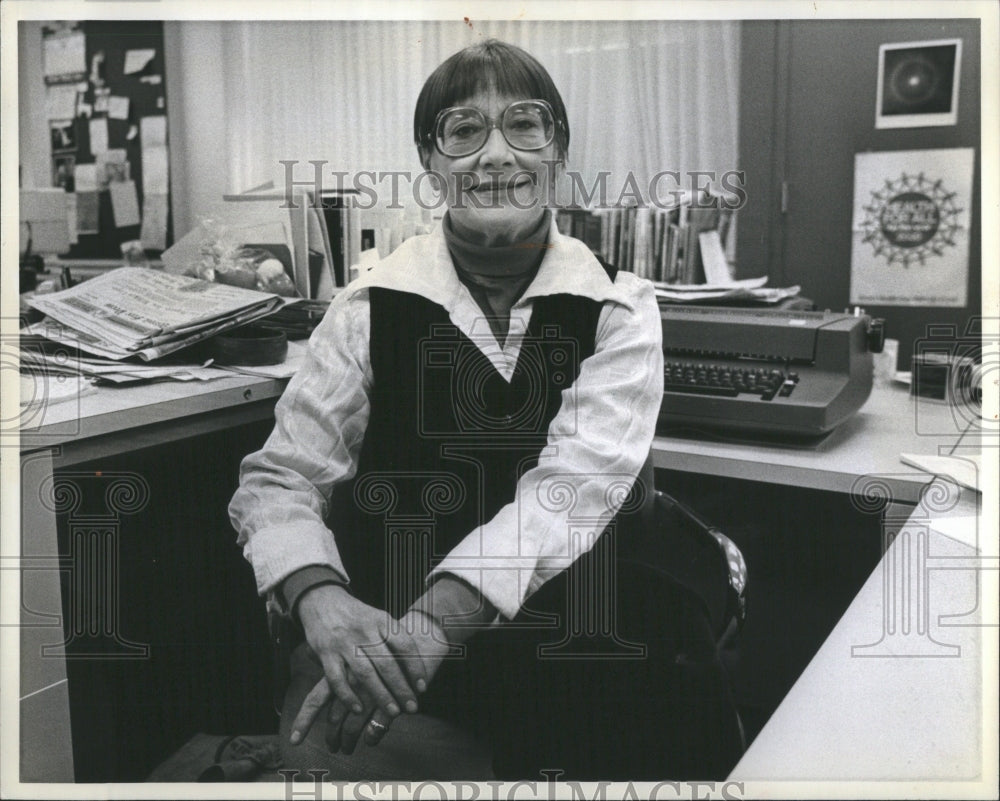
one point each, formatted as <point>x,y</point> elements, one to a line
<point>11,11</point>
<point>928,120</point>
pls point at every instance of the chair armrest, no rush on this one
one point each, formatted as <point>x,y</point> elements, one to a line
<point>704,560</point>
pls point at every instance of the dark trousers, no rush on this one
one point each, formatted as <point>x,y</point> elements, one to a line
<point>610,671</point>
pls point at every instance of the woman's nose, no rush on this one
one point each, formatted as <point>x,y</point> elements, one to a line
<point>496,152</point>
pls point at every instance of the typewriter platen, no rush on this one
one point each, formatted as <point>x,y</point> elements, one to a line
<point>795,374</point>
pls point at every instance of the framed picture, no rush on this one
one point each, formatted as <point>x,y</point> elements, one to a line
<point>918,84</point>
<point>63,167</point>
<point>63,134</point>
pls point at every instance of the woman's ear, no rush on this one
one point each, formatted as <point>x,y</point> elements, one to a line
<point>425,162</point>
<point>425,157</point>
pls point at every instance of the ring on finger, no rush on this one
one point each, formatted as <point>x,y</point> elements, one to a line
<point>377,725</point>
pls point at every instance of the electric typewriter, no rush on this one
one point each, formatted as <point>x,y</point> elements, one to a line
<point>789,373</point>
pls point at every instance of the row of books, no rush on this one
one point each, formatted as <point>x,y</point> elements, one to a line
<point>661,244</point>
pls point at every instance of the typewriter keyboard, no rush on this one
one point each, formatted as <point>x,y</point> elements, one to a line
<point>725,381</point>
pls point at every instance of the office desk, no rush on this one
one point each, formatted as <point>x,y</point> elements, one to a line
<point>901,691</point>
<point>110,422</point>
<point>818,713</point>
<point>868,444</point>
<point>122,419</point>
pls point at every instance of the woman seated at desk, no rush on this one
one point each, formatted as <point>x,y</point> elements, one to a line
<point>471,418</point>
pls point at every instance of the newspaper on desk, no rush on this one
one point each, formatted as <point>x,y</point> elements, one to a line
<point>135,311</point>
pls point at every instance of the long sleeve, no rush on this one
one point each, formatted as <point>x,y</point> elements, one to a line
<point>596,445</point>
<point>281,504</point>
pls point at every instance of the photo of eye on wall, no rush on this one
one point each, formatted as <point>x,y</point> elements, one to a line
<point>918,84</point>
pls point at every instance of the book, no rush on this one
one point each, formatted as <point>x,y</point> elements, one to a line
<point>335,205</point>
<point>700,218</point>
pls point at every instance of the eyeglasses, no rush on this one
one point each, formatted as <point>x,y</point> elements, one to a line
<point>462,130</point>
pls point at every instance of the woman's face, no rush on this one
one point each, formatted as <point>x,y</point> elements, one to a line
<point>497,195</point>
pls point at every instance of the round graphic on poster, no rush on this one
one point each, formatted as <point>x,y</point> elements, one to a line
<point>911,219</point>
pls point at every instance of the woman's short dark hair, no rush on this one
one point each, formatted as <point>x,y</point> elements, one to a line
<point>489,65</point>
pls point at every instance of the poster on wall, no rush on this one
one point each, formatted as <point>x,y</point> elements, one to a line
<point>918,84</point>
<point>911,228</point>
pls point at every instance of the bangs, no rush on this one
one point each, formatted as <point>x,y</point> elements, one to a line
<point>485,70</point>
<point>491,66</point>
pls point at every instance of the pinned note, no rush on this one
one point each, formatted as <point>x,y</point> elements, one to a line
<point>118,107</point>
<point>136,60</point>
<point>63,135</point>
<point>154,222</point>
<point>152,80</point>
<point>153,130</point>
<point>101,100</point>
<point>60,101</point>
<point>71,217</point>
<point>64,55</point>
<point>154,170</point>
<point>124,203</point>
<point>85,177</point>
<point>63,167</point>
<point>98,135</point>
<point>133,132</point>
<point>112,166</point>
<point>87,209</point>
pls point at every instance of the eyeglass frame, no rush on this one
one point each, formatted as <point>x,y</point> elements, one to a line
<point>492,124</point>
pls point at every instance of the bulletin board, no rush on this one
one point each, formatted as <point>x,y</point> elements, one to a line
<point>106,104</point>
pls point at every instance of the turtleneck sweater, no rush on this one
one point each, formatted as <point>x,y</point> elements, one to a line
<point>497,276</point>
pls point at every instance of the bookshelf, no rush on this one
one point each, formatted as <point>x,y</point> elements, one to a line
<point>661,244</point>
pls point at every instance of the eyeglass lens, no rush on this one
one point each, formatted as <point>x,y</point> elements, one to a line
<point>526,125</point>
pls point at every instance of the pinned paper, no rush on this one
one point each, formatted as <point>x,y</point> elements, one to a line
<point>154,222</point>
<point>152,80</point>
<point>63,166</point>
<point>154,130</point>
<point>112,166</point>
<point>101,100</point>
<point>64,55</point>
<point>133,132</point>
<point>63,135</point>
<point>124,203</point>
<point>71,217</point>
<point>85,177</point>
<point>87,209</point>
<point>118,107</point>
<point>159,102</point>
<point>98,135</point>
<point>60,101</point>
<point>154,170</point>
<point>136,60</point>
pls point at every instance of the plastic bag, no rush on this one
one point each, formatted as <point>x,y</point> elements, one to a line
<point>223,258</point>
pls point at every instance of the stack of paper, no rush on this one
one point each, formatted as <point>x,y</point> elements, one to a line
<point>751,289</point>
<point>963,469</point>
<point>134,311</point>
<point>43,363</point>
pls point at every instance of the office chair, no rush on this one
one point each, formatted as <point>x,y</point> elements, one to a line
<point>674,538</point>
<point>665,534</point>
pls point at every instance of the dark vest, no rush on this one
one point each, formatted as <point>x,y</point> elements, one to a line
<point>447,438</point>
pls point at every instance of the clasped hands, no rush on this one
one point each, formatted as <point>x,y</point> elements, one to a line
<point>374,667</point>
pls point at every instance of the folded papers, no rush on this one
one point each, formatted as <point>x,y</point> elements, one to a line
<point>145,313</point>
